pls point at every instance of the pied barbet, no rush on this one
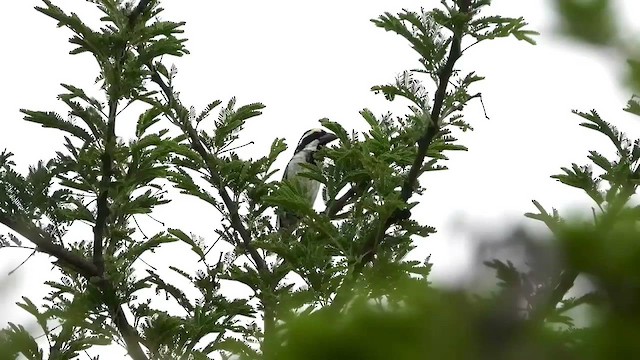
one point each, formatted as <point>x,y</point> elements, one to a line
<point>312,141</point>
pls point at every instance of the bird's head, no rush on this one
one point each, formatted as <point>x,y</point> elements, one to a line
<point>314,139</point>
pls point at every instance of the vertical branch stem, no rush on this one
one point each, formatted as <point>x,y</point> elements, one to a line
<point>102,212</point>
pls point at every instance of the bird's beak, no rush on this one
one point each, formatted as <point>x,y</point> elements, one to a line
<point>327,138</point>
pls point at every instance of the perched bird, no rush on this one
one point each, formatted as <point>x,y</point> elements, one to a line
<point>312,141</point>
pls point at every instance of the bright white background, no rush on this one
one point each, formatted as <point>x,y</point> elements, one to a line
<point>309,60</point>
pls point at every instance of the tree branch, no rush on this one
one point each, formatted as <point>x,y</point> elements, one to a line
<point>232,206</point>
<point>423,144</point>
<point>338,204</point>
<point>129,334</point>
<point>46,244</point>
<point>234,214</point>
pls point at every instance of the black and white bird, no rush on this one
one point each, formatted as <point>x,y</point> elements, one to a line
<point>309,144</point>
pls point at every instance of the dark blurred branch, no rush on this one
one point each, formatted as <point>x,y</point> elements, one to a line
<point>608,220</point>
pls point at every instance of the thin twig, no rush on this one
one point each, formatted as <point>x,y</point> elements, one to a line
<point>483,107</point>
<point>222,151</point>
<point>334,206</point>
<point>144,236</point>
<point>22,263</point>
<point>17,247</point>
<point>156,220</point>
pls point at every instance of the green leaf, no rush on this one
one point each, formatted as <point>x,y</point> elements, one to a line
<point>187,240</point>
<point>79,93</point>
<point>633,105</point>
<point>581,177</point>
<point>551,220</point>
<point>86,39</point>
<point>506,272</point>
<point>135,251</point>
<point>207,110</point>
<point>595,122</point>
<point>175,292</point>
<point>32,309</point>
<point>337,129</point>
<point>17,340</point>
<point>600,160</point>
<point>147,119</point>
<point>53,120</point>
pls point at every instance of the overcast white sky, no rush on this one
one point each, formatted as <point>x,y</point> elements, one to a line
<point>309,60</point>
